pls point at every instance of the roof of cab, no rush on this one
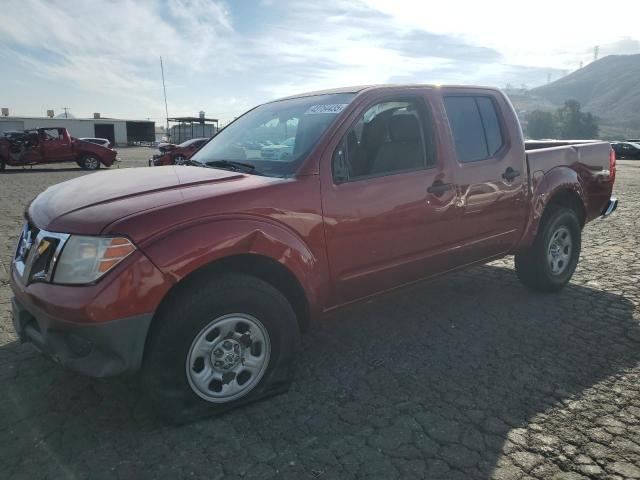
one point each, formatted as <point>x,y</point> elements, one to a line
<point>360,88</point>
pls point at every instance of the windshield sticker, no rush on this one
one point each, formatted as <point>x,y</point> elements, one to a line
<point>328,108</point>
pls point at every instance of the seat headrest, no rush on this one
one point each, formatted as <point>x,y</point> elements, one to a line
<point>404,128</point>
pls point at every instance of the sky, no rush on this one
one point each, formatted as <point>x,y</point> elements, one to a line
<point>224,57</point>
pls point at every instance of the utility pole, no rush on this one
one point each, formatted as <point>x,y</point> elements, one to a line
<point>595,52</point>
<point>164,88</point>
<point>65,111</point>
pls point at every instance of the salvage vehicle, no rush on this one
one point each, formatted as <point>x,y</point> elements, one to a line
<point>52,145</point>
<point>279,151</point>
<point>202,277</point>
<point>177,154</point>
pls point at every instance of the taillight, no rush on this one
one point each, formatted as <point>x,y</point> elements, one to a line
<point>612,164</point>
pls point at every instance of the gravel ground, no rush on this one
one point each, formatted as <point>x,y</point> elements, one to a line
<point>469,376</point>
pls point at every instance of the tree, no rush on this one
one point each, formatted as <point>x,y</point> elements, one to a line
<point>572,123</point>
<point>540,125</point>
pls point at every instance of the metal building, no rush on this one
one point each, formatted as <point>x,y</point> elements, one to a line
<point>192,127</point>
<point>118,131</point>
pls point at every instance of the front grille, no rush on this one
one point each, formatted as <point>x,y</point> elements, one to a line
<point>42,260</point>
<point>37,253</point>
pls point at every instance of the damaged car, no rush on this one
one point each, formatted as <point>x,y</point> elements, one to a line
<point>171,154</point>
<point>52,145</point>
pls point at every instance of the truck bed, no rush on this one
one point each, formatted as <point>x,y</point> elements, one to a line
<point>589,154</point>
<point>538,144</point>
<point>589,159</point>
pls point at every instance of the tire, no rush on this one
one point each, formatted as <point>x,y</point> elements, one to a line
<point>89,162</point>
<point>3,165</point>
<point>179,160</point>
<point>193,328</point>
<point>550,262</point>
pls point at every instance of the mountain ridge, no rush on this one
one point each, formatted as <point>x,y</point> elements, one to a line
<point>608,88</point>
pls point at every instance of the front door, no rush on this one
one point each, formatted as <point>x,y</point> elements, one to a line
<point>54,145</point>
<point>388,202</point>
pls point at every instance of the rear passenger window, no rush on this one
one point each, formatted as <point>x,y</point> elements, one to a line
<point>390,137</point>
<point>475,126</point>
<point>491,124</point>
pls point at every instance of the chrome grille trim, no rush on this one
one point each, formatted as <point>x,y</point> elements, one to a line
<point>28,253</point>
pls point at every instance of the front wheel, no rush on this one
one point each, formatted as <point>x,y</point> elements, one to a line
<point>550,262</point>
<point>218,344</point>
<point>3,165</point>
<point>89,162</point>
<point>179,160</point>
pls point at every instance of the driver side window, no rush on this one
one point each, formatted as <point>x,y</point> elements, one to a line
<point>390,137</point>
<point>52,134</point>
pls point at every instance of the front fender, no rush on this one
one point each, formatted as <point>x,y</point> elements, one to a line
<point>183,251</point>
<point>106,155</point>
<point>545,188</point>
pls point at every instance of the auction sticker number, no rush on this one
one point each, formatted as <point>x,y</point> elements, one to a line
<point>328,108</point>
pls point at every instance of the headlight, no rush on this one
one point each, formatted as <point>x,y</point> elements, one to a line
<point>86,259</point>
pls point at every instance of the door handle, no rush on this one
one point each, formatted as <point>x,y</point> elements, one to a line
<point>509,174</point>
<point>438,188</point>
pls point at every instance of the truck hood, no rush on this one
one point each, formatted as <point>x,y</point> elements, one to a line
<point>86,205</point>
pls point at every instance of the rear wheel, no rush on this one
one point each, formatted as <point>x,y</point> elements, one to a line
<point>89,162</point>
<point>218,344</point>
<point>550,262</point>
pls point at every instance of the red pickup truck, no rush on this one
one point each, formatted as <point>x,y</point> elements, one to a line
<point>52,145</point>
<point>202,276</point>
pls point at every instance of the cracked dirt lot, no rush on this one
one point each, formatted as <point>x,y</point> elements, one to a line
<point>470,376</point>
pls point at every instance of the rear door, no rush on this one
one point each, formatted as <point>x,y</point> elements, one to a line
<point>383,226</point>
<point>489,168</point>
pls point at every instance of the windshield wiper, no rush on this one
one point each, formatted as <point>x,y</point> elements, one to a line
<point>193,163</point>
<point>233,165</point>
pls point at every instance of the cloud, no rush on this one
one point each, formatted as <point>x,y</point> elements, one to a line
<point>226,56</point>
<point>623,46</point>
<point>114,48</point>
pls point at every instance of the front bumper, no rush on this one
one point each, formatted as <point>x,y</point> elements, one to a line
<point>97,350</point>
<point>98,329</point>
<point>610,207</point>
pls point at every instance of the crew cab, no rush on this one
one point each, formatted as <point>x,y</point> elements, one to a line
<point>52,145</point>
<point>177,154</point>
<point>202,277</point>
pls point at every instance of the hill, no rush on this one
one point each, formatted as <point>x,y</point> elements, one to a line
<point>609,88</point>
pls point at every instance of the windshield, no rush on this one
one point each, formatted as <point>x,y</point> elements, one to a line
<point>275,138</point>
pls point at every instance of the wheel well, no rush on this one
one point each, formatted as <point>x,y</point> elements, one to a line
<point>570,199</point>
<point>264,268</point>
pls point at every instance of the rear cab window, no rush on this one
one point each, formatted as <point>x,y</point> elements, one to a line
<point>475,126</point>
